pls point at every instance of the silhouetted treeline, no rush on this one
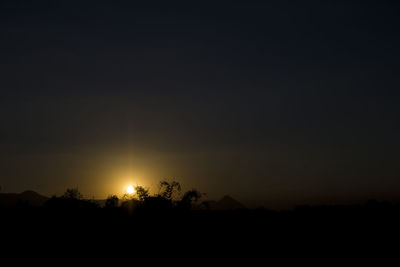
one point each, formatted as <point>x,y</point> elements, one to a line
<point>173,204</point>
<point>174,219</point>
<point>170,200</point>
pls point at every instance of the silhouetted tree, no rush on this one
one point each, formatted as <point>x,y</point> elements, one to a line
<point>168,189</point>
<point>188,198</point>
<point>112,201</point>
<point>72,193</point>
<point>142,193</point>
<point>71,199</point>
<point>127,197</point>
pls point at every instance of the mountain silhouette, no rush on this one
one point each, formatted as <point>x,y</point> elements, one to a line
<point>226,203</point>
<point>30,198</point>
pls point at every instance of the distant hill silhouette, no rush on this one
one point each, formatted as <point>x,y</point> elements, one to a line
<point>226,203</point>
<point>30,198</point>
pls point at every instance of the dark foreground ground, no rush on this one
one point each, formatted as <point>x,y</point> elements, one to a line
<point>328,231</point>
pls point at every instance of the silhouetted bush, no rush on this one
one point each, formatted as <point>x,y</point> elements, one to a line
<point>142,192</point>
<point>72,193</point>
<point>168,190</point>
<point>71,199</point>
<point>112,202</point>
<point>188,199</point>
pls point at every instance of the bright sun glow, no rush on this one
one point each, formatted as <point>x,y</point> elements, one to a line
<point>130,190</point>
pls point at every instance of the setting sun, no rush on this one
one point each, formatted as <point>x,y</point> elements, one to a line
<point>130,190</point>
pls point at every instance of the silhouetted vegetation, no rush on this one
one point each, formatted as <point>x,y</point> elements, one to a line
<point>111,202</point>
<point>170,214</point>
<point>71,199</point>
<point>167,199</point>
<point>142,193</point>
<point>190,197</point>
<point>72,193</point>
<point>168,189</point>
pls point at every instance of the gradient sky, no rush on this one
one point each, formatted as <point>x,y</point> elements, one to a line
<point>277,103</point>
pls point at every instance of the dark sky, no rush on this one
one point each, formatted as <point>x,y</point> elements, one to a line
<point>274,103</point>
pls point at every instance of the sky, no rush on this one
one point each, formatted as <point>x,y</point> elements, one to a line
<point>275,103</point>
